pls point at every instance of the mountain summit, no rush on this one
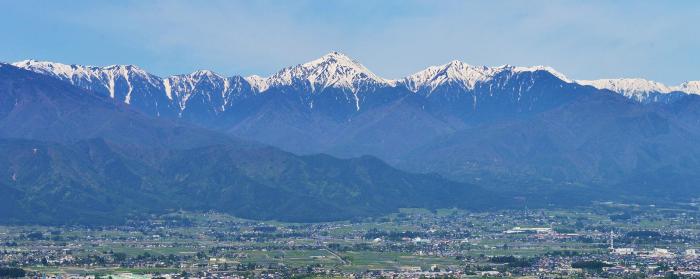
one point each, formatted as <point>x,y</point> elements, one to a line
<point>334,69</point>
<point>455,72</point>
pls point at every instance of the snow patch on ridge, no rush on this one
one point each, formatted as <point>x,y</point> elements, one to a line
<point>258,83</point>
<point>168,88</point>
<point>543,68</point>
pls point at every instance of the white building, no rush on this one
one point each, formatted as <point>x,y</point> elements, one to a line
<point>529,230</point>
<point>623,251</point>
<point>690,253</point>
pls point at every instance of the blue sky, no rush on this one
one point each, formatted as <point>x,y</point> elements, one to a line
<point>658,40</point>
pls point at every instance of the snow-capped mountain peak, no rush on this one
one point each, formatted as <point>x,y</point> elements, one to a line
<point>59,70</point>
<point>77,71</point>
<point>458,72</point>
<point>87,76</point>
<point>464,75</point>
<point>205,73</point>
<point>334,69</point>
<point>629,87</point>
<point>332,58</point>
<point>257,83</point>
<point>642,90</point>
<point>691,87</point>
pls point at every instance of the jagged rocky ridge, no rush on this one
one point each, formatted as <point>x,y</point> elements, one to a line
<point>210,93</point>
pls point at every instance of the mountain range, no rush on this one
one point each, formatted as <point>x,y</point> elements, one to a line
<point>502,133</point>
<point>71,156</point>
<point>180,93</point>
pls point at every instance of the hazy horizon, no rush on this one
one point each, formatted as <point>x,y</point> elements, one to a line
<point>584,40</point>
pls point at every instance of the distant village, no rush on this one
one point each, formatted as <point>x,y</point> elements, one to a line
<point>410,244</point>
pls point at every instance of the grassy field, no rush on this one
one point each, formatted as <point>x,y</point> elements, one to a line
<point>101,271</point>
<point>157,251</point>
<point>366,260</point>
<point>293,258</point>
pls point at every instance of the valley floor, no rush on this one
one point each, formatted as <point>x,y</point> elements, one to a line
<point>646,241</point>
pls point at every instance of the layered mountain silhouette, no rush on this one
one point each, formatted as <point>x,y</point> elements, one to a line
<point>73,156</point>
<point>520,131</point>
